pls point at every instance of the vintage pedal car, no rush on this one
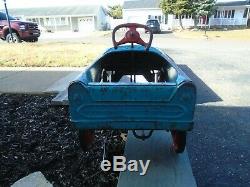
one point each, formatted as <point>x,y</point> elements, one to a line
<point>134,87</point>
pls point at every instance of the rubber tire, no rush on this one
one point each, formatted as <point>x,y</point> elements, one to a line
<point>179,141</point>
<point>32,40</point>
<point>15,37</point>
<point>86,138</point>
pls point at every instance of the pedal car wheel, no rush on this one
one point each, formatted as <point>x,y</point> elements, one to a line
<point>179,140</point>
<point>86,137</point>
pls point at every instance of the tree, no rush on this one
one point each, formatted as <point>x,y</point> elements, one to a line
<point>204,8</point>
<point>167,6</point>
<point>177,7</point>
<point>182,7</point>
<point>115,11</point>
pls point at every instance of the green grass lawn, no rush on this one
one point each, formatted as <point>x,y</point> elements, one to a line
<point>48,54</point>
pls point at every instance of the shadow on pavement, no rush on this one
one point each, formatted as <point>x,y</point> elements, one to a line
<point>204,93</point>
<point>165,32</point>
<point>218,146</point>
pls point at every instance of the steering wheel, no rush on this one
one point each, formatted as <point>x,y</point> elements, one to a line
<point>132,35</point>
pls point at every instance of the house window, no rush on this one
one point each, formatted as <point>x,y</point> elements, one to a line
<point>215,14</point>
<point>229,13</point>
<point>49,22</point>
<point>159,18</point>
<point>218,15</point>
<point>166,19</point>
<point>64,21</point>
<point>222,14</point>
<point>149,16</point>
<point>41,21</point>
<point>225,16</point>
<point>233,12</point>
<point>58,21</point>
<point>245,13</point>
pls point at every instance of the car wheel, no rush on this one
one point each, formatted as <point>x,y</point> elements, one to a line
<point>32,40</point>
<point>86,138</point>
<point>179,140</point>
<point>16,38</point>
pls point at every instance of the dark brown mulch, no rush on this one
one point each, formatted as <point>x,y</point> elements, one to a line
<point>34,136</point>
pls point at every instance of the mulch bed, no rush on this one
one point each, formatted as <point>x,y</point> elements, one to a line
<point>35,136</point>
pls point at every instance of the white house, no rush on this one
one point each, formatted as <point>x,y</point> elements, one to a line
<point>62,18</point>
<point>141,10</point>
<point>229,13</point>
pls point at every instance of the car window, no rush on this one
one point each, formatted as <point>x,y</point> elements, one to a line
<point>153,22</point>
<point>4,17</point>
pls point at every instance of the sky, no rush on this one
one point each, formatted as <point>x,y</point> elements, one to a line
<point>46,3</point>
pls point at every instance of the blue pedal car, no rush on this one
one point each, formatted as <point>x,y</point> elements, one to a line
<point>133,87</point>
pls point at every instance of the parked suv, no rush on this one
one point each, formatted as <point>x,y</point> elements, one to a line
<point>21,30</point>
<point>154,25</point>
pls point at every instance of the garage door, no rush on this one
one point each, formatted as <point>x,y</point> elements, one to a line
<point>86,24</point>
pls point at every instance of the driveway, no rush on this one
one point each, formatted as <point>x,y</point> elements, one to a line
<point>218,146</point>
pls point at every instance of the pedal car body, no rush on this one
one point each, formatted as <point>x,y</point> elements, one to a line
<point>130,87</point>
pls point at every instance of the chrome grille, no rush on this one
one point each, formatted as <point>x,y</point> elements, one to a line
<point>33,27</point>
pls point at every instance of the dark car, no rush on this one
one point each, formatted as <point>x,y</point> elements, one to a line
<point>154,25</point>
<point>21,30</point>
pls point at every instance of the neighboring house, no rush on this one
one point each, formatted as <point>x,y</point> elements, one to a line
<point>231,13</point>
<point>74,18</point>
<point>140,11</point>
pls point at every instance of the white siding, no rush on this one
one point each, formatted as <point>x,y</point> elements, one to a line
<point>185,22</point>
<point>139,15</point>
<point>114,22</point>
<point>237,20</point>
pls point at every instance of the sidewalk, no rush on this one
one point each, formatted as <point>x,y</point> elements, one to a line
<point>36,80</point>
